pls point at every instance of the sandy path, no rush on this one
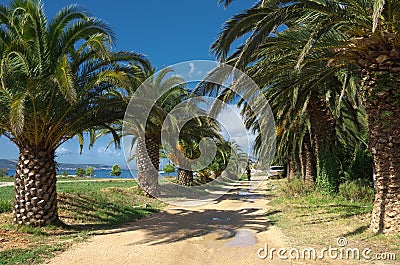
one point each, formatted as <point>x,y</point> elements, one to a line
<point>228,231</point>
<point>6,184</point>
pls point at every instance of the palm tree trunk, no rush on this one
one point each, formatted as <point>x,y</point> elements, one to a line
<point>185,177</point>
<point>148,164</point>
<point>35,194</point>
<point>297,165</point>
<point>382,95</point>
<point>291,173</point>
<point>323,134</point>
<point>308,163</point>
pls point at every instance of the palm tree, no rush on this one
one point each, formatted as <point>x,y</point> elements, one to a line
<point>188,146</point>
<point>228,152</point>
<point>55,82</point>
<point>189,149</point>
<point>370,34</point>
<point>372,44</point>
<point>272,66</point>
<point>147,136</point>
<point>320,98</point>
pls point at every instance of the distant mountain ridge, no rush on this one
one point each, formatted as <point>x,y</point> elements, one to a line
<point>10,164</point>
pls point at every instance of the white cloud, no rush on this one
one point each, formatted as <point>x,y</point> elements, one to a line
<point>178,75</point>
<point>234,130</point>
<point>63,151</point>
<point>110,151</point>
<point>192,69</point>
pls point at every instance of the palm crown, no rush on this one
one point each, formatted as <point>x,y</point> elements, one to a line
<point>58,79</point>
<point>54,85</point>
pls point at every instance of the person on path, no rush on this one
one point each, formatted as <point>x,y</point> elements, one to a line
<point>248,171</point>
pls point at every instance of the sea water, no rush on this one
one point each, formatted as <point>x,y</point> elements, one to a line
<point>106,173</point>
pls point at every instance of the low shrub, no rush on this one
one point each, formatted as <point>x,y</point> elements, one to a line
<point>296,187</point>
<point>357,190</point>
<point>169,168</point>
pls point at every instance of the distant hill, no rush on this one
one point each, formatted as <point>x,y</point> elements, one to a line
<point>10,164</point>
<point>74,166</point>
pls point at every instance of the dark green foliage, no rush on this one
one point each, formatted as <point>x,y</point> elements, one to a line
<point>218,165</point>
<point>361,166</point>
<point>89,171</point>
<point>328,171</point>
<point>169,168</point>
<point>355,162</point>
<point>115,171</point>
<point>79,172</point>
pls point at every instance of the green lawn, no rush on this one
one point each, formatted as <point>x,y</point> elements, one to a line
<point>7,179</point>
<point>85,209</point>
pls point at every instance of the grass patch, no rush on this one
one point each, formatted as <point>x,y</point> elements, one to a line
<point>7,179</point>
<point>316,220</point>
<point>34,255</point>
<point>85,209</point>
<point>106,206</point>
<point>6,199</point>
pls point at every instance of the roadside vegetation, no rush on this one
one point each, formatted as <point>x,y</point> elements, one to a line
<point>85,209</point>
<point>330,70</point>
<point>7,179</point>
<point>310,218</point>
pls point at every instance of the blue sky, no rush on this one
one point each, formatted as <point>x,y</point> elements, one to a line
<point>167,32</point>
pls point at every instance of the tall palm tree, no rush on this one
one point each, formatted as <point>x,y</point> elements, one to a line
<point>370,42</point>
<point>55,82</point>
<point>272,66</point>
<point>318,96</point>
<point>147,136</point>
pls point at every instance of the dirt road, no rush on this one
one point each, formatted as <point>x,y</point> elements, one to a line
<point>230,230</point>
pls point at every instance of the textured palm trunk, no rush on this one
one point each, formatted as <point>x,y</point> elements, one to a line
<point>148,165</point>
<point>308,161</point>
<point>323,133</point>
<point>35,194</point>
<point>382,97</point>
<point>297,168</point>
<point>185,177</point>
<point>290,169</point>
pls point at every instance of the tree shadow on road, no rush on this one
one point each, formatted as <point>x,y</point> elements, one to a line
<point>180,223</point>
